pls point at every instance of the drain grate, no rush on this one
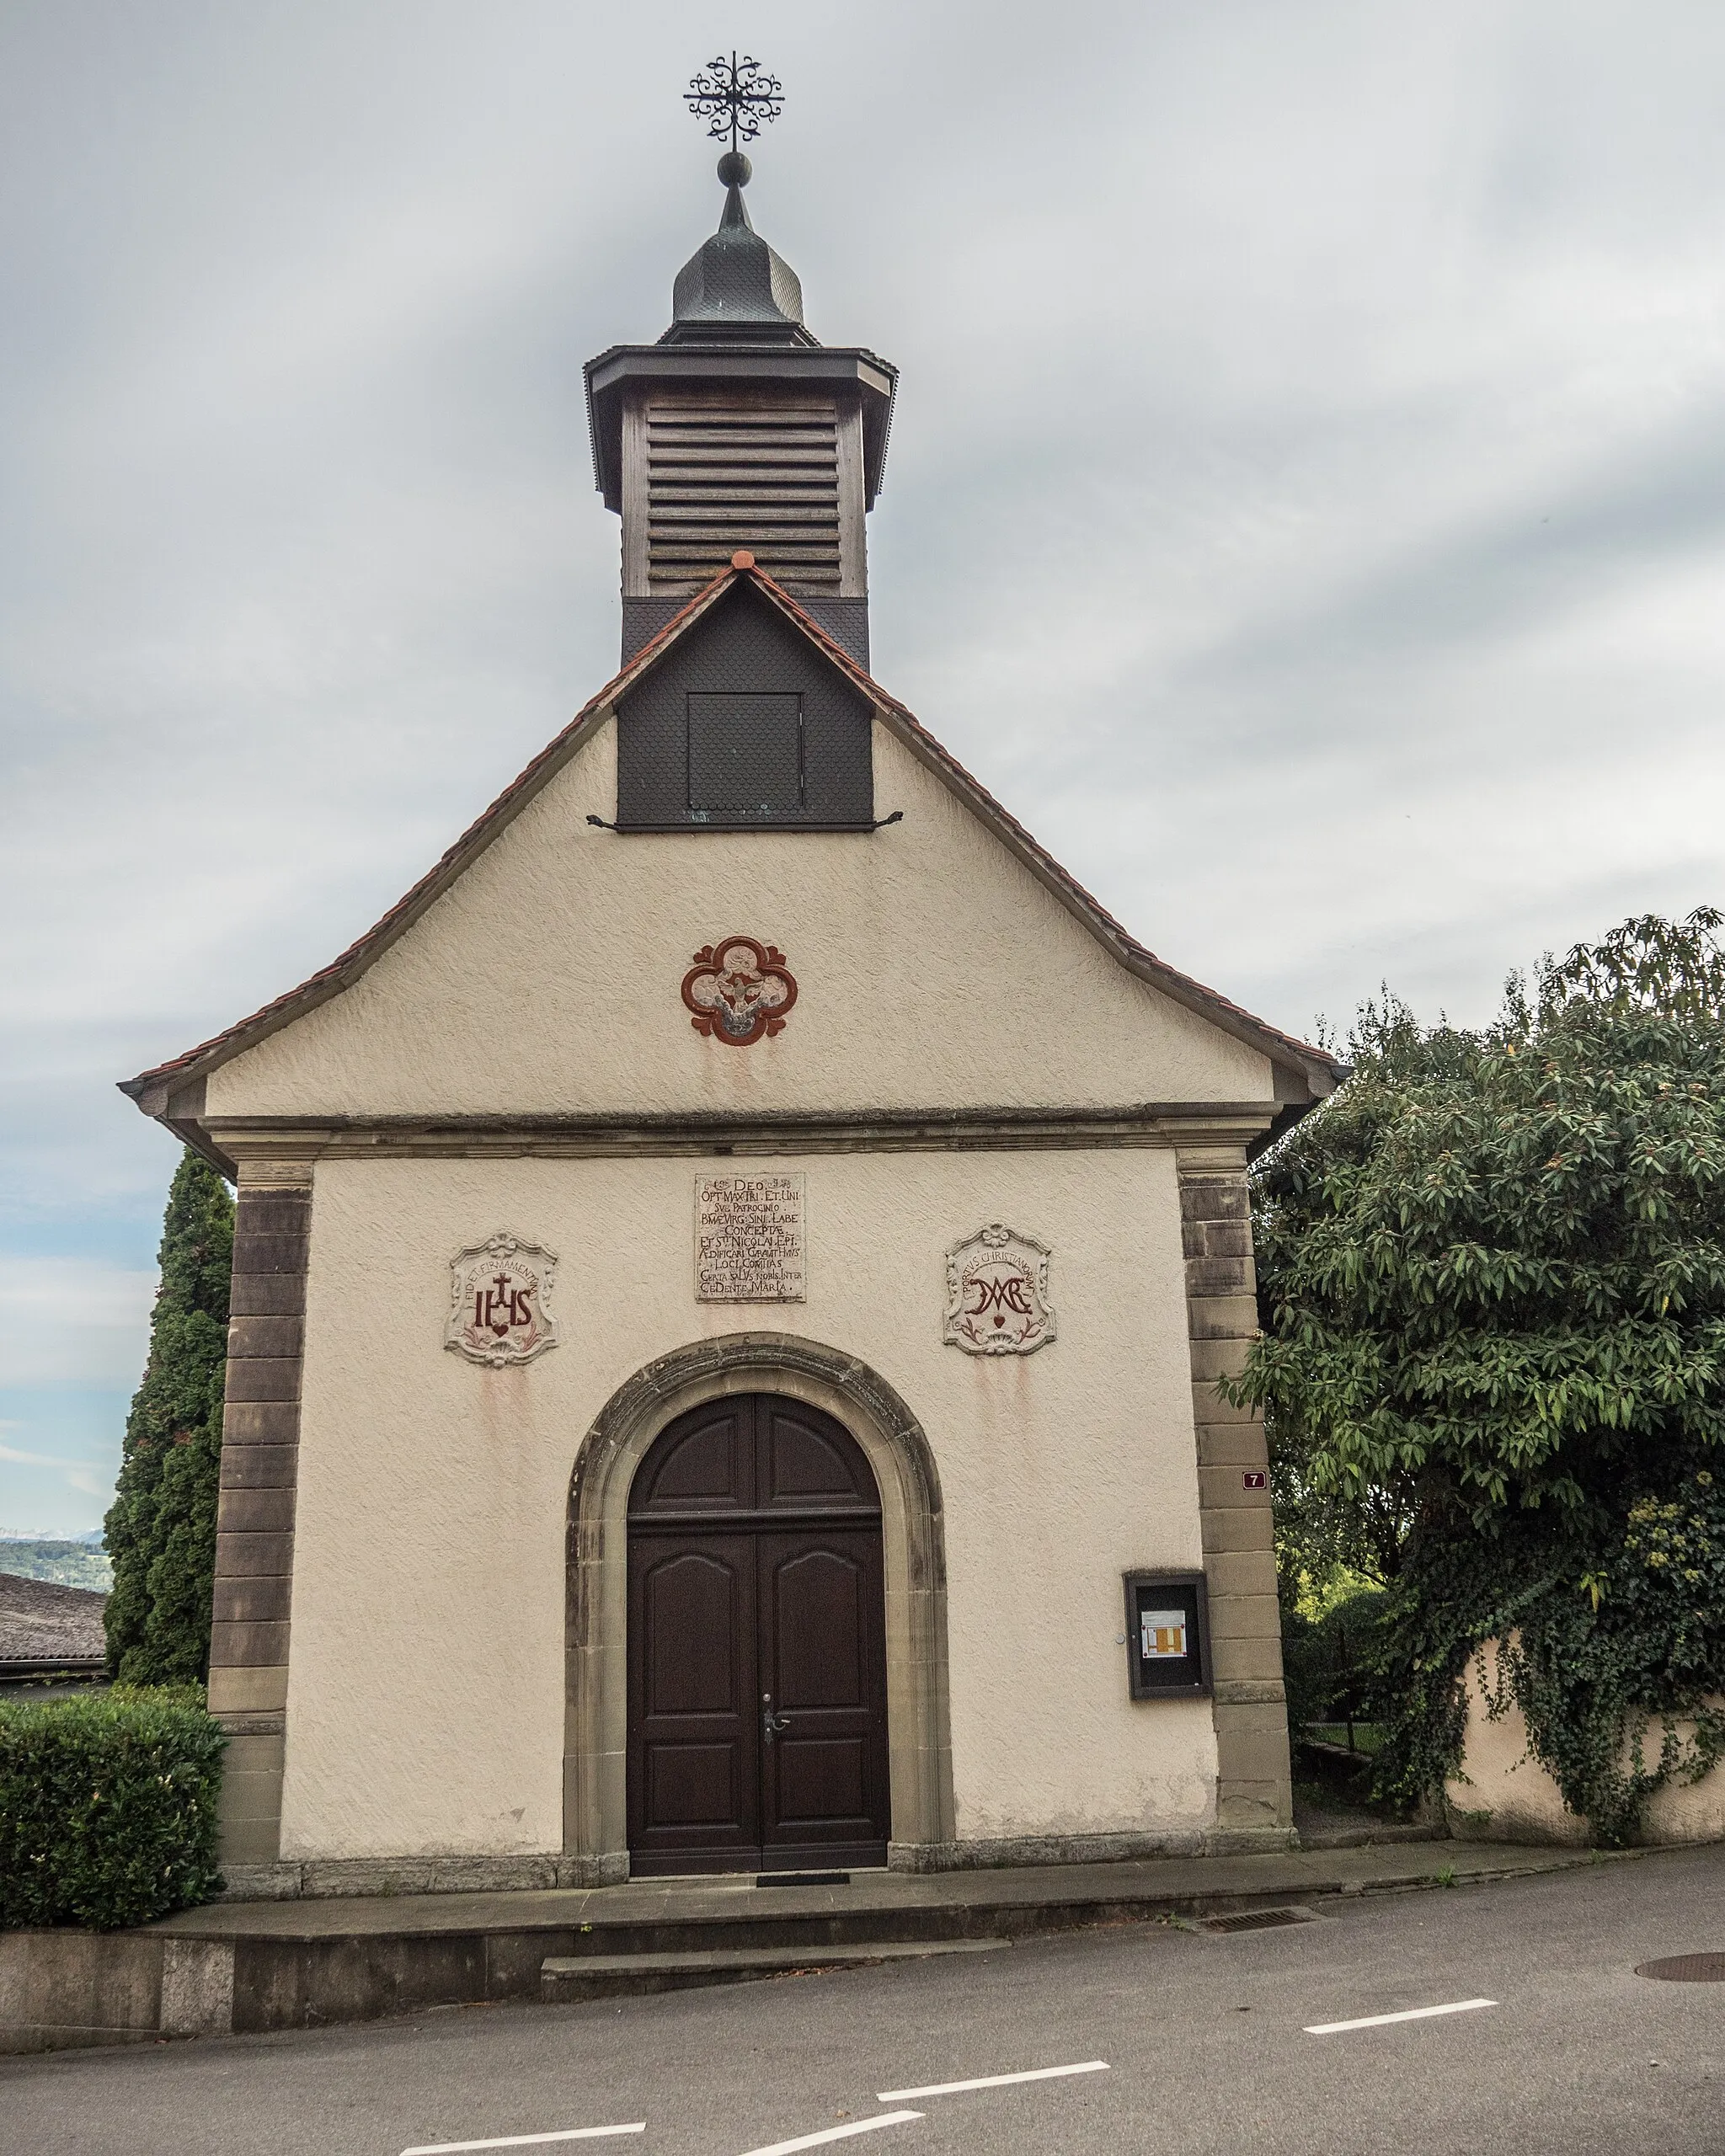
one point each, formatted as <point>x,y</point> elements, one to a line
<point>1685,1969</point>
<point>802,1879</point>
<point>1259,1920</point>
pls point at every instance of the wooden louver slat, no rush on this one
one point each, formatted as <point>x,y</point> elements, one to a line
<point>727,474</point>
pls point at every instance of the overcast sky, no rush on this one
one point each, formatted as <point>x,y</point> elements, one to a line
<point>1305,506</point>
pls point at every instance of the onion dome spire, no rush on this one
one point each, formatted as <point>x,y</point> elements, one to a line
<point>735,281</point>
<point>735,285</point>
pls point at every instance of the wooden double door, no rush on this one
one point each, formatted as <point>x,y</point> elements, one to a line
<point>757,1646</point>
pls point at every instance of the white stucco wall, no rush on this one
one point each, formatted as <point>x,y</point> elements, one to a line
<point>425,1705</point>
<point>934,971</point>
<point>1503,1793</point>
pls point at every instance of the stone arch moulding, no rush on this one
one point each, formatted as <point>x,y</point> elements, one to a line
<point>595,1739</point>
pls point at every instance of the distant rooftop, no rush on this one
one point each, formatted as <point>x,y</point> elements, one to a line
<point>45,1626</point>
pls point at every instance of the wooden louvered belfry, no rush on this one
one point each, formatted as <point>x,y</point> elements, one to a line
<point>707,472</point>
<point>738,428</point>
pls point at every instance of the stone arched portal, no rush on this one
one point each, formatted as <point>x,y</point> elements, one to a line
<point>595,1745</point>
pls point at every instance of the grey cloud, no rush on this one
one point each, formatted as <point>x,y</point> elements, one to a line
<point>1245,353</point>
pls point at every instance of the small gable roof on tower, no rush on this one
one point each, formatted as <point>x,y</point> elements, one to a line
<point>170,1090</point>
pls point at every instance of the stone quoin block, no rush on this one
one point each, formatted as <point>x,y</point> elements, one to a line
<point>275,1213</point>
<point>261,1423</point>
<point>1234,1526</point>
<point>267,1295</point>
<point>238,1691</point>
<point>1217,1358</point>
<point>1214,1197</point>
<point>272,1337</point>
<point>258,1466</point>
<point>242,1553</point>
<point>1209,1406</point>
<point>269,1254</point>
<point>1243,1657</point>
<point>1242,1572</point>
<point>244,1644</point>
<point>1227,1316</point>
<point>258,1378</point>
<point>251,1510</point>
<point>248,1600</point>
<point>1223,1487</point>
<point>1241,1445</point>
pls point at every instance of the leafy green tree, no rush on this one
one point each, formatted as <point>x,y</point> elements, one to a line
<point>1491,1280</point>
<point>161,1526</point>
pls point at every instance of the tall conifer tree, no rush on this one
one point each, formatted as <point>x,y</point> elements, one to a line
<point>161,1527</point>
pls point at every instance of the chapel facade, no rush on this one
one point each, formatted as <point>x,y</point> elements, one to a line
<point>731,1271</point>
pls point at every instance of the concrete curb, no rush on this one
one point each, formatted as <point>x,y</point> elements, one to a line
<point>252,1966</point>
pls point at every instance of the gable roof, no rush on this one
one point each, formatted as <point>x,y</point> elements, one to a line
<point>1319,1071</point>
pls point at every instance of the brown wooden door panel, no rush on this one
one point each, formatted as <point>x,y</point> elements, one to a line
<point>754,1568</point>
<point>692,1786</point>
<point>690,1605</point>
<point>822,1785</point>
<point>694,1726</point>
<point>817,1620</point>
<point>703,1462</point>
<point>822,1645</point>
<point>805,1461</point>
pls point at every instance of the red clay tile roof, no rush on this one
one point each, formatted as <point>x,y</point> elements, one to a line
<point>1320,1069</point>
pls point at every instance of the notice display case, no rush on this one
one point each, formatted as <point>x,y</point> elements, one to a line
<point>1168,1636</point>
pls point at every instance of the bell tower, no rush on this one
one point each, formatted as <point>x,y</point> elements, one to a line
<point>738,428</point>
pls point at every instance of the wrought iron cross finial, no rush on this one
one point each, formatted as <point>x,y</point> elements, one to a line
<point>736,97</point>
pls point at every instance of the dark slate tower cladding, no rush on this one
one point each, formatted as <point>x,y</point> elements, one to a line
<point>738,428</point>
<point>744,725</point>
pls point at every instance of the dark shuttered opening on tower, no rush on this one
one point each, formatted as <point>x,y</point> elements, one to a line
<point>745,753</point>
<point>744,726</point>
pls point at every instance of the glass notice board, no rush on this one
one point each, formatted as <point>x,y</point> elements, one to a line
<point>1167,1635</point>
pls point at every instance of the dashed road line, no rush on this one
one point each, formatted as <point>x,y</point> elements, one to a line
<point>525,2140</point>
<point>1383,2020</point>
<point>834,2133</point>
<point>990,2081</point>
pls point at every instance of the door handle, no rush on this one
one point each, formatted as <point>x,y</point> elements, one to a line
<point>771,1724</point>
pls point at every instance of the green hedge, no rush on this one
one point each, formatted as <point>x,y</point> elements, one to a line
<point>106,1808</point>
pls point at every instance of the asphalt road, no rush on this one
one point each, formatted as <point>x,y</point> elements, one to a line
<point>1205,2038</point>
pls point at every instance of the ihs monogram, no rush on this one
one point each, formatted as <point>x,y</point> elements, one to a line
<point>499,1294</point>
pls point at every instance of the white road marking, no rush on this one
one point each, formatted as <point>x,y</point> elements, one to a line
<point>990,2081</point>
<point>835,2133</point>
<point>523,2140</point>
<point>1383,2020</point>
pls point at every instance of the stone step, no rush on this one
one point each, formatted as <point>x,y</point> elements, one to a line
<point>765,1927</point>
<point>616,1976</point>
<point>1369,1834</point>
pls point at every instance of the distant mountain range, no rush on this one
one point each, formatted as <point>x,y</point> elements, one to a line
<point>68,1561</point>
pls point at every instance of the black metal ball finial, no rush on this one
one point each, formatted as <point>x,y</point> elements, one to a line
<point>734,170</point>
<point>735,97</point>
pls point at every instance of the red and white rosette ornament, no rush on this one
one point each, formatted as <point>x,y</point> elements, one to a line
<point>738,991</point>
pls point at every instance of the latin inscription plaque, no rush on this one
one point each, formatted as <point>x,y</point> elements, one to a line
<point>749,1239</point>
